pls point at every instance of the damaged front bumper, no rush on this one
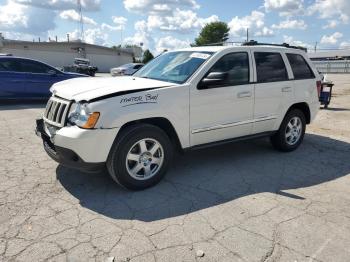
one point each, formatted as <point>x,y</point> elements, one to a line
<point>77,148</point>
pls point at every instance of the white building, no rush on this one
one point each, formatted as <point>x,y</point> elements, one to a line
<point>341,54</point>
<point>59,54</point>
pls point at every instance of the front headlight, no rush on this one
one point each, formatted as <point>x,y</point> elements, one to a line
<point>81,116</point>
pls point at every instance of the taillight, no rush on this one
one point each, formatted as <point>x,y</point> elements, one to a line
<point>319,87</point>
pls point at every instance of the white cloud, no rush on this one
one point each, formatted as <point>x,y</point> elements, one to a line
<point>331,39</point>
<point>92,36</point>
<point>74,16</point>
<point>119,24</point>
<point>345,45</point>
<point>290,40</point>
<point>339,9</point>
<point>331,24</point>
<point>35,18</point>
<point>284,7</point>
<point>105,26</point>
<point>170,15</point>
<point>90,5</point>
<point>158,6</point>
<point>170,43</point>
<point>120,20</point>
<point>142,35</point>
<point>291,24</point>
<point>181,20</point>
<point>16,18</point>
<point>255,22</point>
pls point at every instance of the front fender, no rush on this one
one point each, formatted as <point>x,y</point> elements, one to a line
<point>171,103</point>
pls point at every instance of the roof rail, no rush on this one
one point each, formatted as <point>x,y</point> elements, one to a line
<point>221,44</point>
<point>256,43</point>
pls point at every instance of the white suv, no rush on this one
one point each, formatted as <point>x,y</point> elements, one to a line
<point>184,99</point>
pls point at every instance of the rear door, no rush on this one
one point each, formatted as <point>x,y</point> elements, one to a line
<point>39,78</point>
<point>304,79</point>
<point>11,79</point>
<point>274,90</point>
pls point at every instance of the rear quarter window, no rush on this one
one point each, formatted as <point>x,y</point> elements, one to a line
<point>300,68</point>
<point>270,67</point>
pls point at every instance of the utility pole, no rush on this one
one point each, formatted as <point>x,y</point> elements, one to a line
<point>247,35</point>
<point>316,47</point>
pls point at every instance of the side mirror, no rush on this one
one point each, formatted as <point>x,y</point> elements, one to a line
<point>52,72</point>
<point>212,79</point>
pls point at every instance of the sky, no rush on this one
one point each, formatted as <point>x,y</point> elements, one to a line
<point>171,24</point>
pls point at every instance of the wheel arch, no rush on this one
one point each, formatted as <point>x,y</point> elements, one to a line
<point>161,122</point>
<point>304,107</point>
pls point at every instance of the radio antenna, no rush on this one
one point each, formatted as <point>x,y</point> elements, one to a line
<point>81,20</point>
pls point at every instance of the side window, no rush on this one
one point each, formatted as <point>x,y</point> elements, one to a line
<point>137,66</point>
<point>300,67</point>
<point>34,67</point>
<point>9,65</point>
<point>270,67</point>
<point>236,65</point>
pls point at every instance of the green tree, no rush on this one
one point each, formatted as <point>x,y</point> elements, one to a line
<point>147,56</point>
<point>212,33</point>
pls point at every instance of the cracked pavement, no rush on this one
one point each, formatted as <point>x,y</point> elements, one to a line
<point>238,202</point>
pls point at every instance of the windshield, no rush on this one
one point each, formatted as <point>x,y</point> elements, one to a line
<point>175,67</point>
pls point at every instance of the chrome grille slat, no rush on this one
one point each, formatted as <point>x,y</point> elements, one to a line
<point>57,118</point>
<point>49,104</point>
<point>56,111</point>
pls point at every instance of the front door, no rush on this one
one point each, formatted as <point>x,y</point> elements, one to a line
<point>223,109</point>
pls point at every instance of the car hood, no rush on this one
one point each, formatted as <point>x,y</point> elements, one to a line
<point>88,88</point>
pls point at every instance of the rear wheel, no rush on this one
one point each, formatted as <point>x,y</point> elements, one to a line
<point>140,157</point>
<point>291,132</point>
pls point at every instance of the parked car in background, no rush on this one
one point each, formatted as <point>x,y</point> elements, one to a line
<point>81,66</point>
<point>22,78</point>
<point>126,70</point>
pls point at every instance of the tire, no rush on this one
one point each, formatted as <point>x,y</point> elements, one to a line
<point>289,136</point>
<point>134,162</point>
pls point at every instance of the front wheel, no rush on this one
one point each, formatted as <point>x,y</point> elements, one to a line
<point>140,157</point>
<point>291,132</point>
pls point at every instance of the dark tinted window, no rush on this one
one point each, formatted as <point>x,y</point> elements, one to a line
<point>236,65</point>
<point>301,69</point>
<point>34,67</point>
<point>270,67</point>
<point>137,66</point>
<point>11,65</point>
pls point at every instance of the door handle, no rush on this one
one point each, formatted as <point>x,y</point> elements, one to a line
<point>244,94</point>
<point>286,89</point>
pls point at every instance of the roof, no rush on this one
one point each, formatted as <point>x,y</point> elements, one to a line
<point>71,43</point>
<point>330,54</point>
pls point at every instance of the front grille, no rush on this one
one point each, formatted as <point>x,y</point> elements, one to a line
<point>56,111</point>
